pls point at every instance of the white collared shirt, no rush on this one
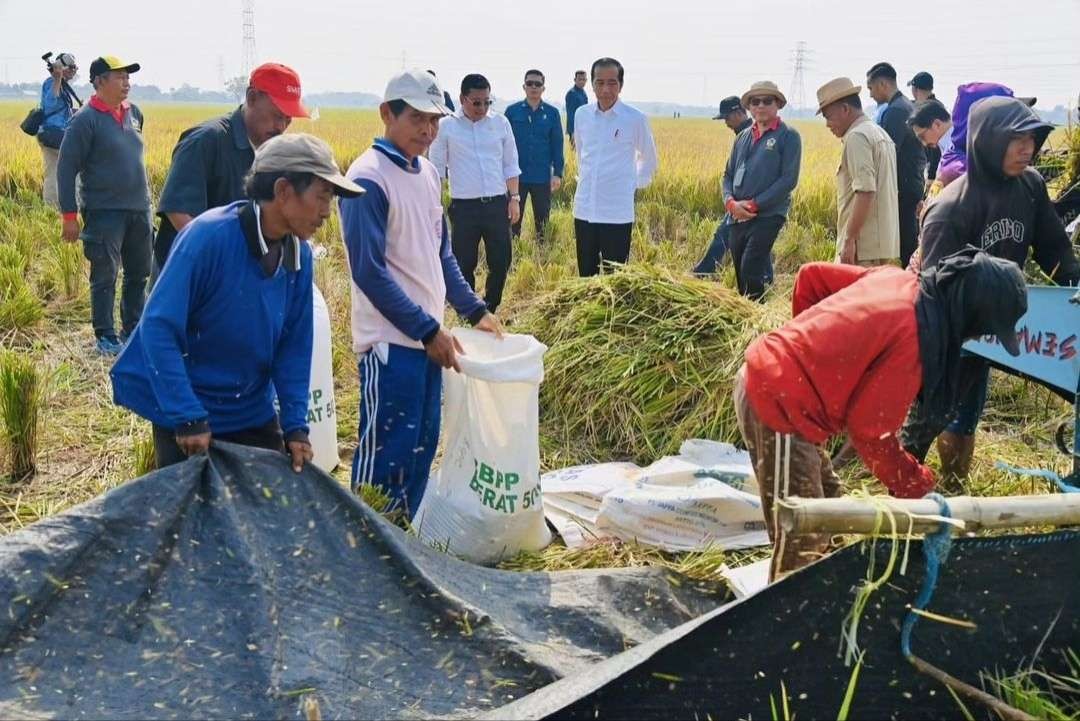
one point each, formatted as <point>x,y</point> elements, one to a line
<point>480,156</point>
<point>616,156</point>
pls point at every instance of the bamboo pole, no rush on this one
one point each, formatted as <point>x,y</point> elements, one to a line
<point>855,515</point>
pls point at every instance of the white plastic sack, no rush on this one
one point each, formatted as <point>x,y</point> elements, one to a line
<point>322,414</point>
<point>705,496</point>
<point>484,502</point>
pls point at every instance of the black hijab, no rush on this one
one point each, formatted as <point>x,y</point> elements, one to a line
<point>966,295</point>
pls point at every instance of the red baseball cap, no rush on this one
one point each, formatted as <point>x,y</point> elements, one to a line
<point>282,84</point>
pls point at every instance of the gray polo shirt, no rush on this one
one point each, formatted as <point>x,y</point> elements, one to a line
<point>107,157</point>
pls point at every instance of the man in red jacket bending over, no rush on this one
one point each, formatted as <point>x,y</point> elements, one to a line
<point>861,345</point>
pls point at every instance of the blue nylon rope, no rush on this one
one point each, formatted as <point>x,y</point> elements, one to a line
<point>936,547</point>
<point>1038,473</point>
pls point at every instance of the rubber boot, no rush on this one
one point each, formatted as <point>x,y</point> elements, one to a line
<point>955,452</point>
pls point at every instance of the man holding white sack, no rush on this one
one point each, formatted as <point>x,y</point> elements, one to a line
<point>403,273</point>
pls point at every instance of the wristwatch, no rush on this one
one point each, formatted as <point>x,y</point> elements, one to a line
<point>516,197</point>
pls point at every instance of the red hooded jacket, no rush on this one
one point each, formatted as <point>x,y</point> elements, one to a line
<point>847,361</point>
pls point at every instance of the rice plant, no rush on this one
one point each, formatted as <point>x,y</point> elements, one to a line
<point>65,269</point>
<point>19,306</point>
<point>142,455</point>
<point>22,395</point>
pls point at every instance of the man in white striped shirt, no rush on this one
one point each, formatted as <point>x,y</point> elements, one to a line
<point>476,148</point>
<point>616,156</point>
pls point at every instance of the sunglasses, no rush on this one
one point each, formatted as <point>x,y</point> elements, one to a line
<point>533,84</point>
<point>481,103</point>
<point>767,100</point>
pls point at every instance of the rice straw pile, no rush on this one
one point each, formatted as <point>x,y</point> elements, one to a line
<point>642,359</point>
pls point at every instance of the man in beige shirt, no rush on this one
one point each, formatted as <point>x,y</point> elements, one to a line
<point>868,232</point>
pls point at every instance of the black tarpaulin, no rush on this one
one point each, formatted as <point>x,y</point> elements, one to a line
<point>230,586</point>
<point>1021,592</point>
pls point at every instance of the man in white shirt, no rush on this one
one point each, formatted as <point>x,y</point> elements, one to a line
<point>616,156</point>
<point>476,148</point>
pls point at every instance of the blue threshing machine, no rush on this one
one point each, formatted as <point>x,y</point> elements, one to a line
<point>1049,354</point>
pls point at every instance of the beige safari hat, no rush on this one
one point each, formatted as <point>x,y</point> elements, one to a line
<point>763,87</point>
<point>835,89</point>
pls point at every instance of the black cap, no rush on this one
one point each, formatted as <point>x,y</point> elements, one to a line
<point>922,81</point>
<point>881,70</point>
<point>1028,100</point>
<point>107,63</point>
<point>727,106</point>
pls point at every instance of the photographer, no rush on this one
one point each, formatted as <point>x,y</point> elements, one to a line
<point>57,106</point>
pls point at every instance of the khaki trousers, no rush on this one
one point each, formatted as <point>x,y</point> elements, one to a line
<point>48,182</point>
<point>808,473</point>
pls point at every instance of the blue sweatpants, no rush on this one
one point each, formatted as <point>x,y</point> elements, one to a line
<point>400,406</point>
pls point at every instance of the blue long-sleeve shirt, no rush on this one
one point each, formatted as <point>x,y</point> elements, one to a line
<point>219,338</point>
<point>404,270</point>
<point>538,136</point>
<point>575,98</point>
<point>58,109</point>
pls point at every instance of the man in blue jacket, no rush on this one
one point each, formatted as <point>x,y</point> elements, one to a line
<point>538,135</point>
<point>58,105</point>
<point>760,176</point>
<point>228,329</point>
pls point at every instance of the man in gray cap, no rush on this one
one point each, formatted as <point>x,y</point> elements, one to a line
<point>734,116</point>
<point>228,329</point>
<point>403,274</point>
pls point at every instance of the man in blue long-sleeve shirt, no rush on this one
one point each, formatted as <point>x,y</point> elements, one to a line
<point>538,135</point>
<point>57,103</point>
<point>228,329</point>
<point>760,176</point>
<point>575,98</point>
<point>403,273</point>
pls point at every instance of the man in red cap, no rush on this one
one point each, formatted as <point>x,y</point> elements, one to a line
<point>211,160</point>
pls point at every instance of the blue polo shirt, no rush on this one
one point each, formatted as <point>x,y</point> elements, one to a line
<point>538,136</point>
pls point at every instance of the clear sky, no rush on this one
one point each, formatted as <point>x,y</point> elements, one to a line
<point>684,51</point>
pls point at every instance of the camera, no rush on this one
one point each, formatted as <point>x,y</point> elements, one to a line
<point>64,60</point>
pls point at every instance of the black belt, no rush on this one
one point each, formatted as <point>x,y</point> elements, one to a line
<point>485,200</point>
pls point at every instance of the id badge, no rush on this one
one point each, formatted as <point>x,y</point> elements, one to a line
<point>739,173</point>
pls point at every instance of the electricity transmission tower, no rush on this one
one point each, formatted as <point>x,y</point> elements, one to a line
<point>798,80</point>
<point>247,54</point>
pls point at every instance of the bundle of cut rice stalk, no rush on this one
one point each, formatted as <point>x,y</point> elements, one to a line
<point>642,359</point>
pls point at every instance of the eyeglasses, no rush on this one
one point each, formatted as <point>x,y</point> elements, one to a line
<point>481,103</point>
<point>534,84</point>
<point>767,100</point>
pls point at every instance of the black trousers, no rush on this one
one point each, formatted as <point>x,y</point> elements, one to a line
<point>909,226</point>
<point>601,243</point>
<point>541,207</point>
<point>751,253</point>
<point>268,436</point>
<point>487,220</point>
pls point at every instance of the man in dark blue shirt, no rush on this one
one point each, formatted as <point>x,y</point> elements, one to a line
<point>447,100</point>
<point>575,98</point>
<point>910,154</point>
<point>736,119</point>
<point>210,161</point>
<point>538,136</point>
